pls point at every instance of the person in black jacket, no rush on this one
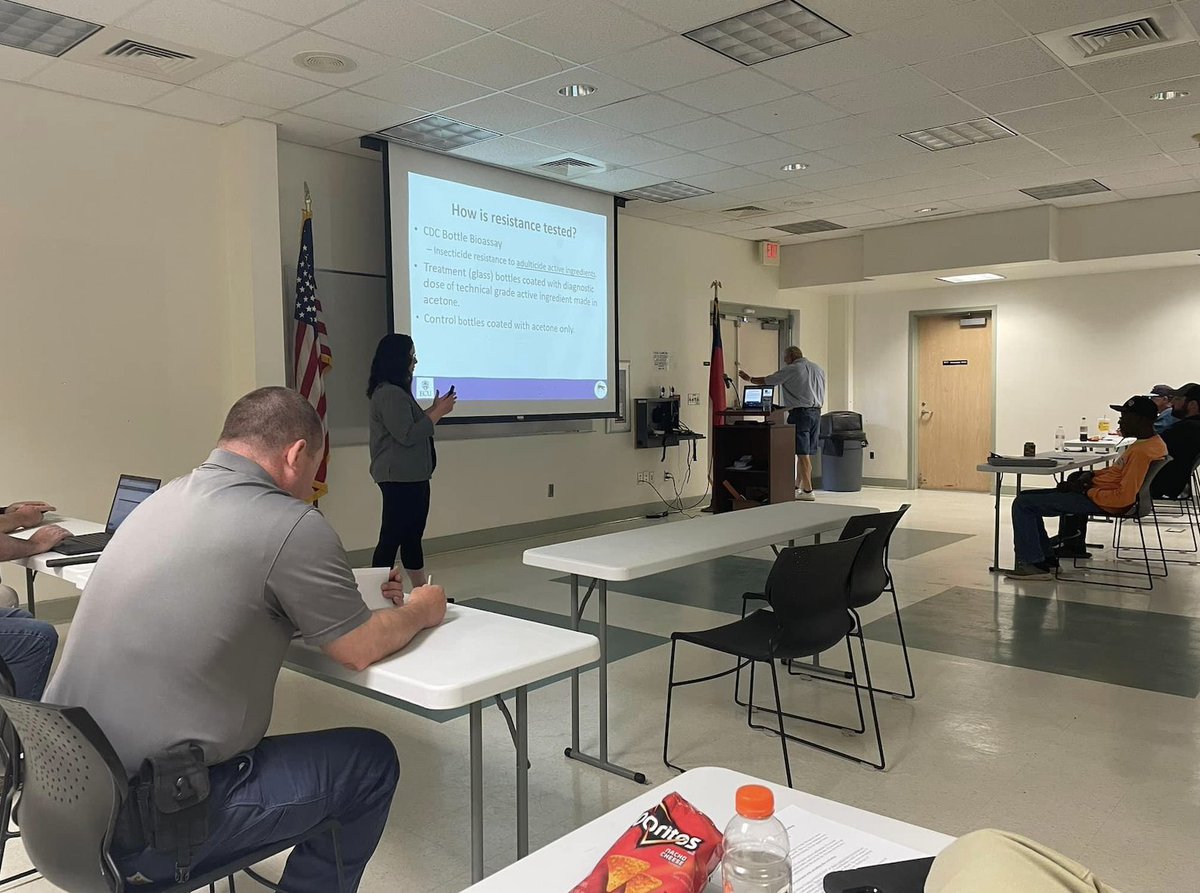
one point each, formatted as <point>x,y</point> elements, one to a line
<point>402,454</point>
<point>1183,444</point>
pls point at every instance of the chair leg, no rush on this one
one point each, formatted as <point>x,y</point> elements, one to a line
<point>912,686</point>
<point>667,724</point>
<point>862,644</point>
<point>232,885</point>
<point>787,765</point>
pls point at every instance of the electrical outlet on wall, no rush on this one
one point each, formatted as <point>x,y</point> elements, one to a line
<point>549,491</point>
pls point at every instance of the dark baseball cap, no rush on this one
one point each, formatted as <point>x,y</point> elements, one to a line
<point>1162,390</point>
<point>1139,405</point>
<point>1190,391</point>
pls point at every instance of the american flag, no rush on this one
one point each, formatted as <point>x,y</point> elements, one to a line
<point>312,355</point>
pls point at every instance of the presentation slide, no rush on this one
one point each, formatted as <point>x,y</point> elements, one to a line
<point>508,297</point>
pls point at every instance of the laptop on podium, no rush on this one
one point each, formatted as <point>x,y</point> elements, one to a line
<point>758,399</point>
<point>132,491</point>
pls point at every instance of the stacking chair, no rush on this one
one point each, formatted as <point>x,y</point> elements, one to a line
<point>73,793</point>
<point>9,775</point>
<point>1141,511</point>
<point>807,590</point>
<point>1187,509</point>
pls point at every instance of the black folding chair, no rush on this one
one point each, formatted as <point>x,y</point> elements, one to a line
<point>1141,510</point>
<point>9,775</point>
<point>808,592</point>
<point>73,792</point>
<point>1186,507</point>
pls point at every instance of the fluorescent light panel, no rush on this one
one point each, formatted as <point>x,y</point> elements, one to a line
<point>438,132</point>
<point>779,29</point>
<point>804,227</point>
<point>28,28</point>
<point>1062,190</point>
<point>966,133</point>
<point>970,277</point>
<point>670,191</point>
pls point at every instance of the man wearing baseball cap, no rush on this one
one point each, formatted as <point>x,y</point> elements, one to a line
<point>1183,443</point>
<point>1163,395</point>
<point>1109,490</point>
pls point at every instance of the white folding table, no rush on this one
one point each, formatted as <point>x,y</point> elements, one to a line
<point>75,574</point>
<point>1063,464</point>
<point>631,554</point>
<point>1106,444</point>
<point>561,865</point>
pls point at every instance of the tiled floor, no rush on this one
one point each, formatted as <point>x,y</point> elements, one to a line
<point>1014,725</point>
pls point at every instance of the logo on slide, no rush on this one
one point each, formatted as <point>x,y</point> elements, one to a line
<point>601,389</point>
<point>424,388</point>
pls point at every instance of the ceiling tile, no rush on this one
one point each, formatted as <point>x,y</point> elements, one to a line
<point>877,149</point>
<point>867,15</point>
<point>1179,61</point>
<point>1160,189</point>
<point>828,64</point>
<point>207,25</point>
<point>1181,119</point>
<point>609,90</point>
<point>1095,132</point>
<point>279,57</point>
<point>683,166</point>
<point>702,203</point>
<point>262,86</point>
<point>917,115</point>
<point>507,150</point>
<point>298,12</point>
<point>730,178</point>
<point>421,88</point>
<point>632,150</point>
<point>1107,168</point>
<point>618,181</point>
<point>1137,99</point>
<point>16,65</point>
<point>1058,114</point>
<point>491,15</point>
<point>846,176</point>
<point>1041,89</point>
<point>703,134</point>
<point>992,65</point>
<point>575,134</point>
<point>646,113</point>
<point>1173,142</point>
<point>909,164</point>
<point>1146,178</point>
<point>354,110</point>
<point>1127,148</point>
<point>784,114</point>
<point>503,113</point>
<point>495,61</point>
<point>187,103</point>
<point>666,63</point>
<point>1191,8</point>
<point>879,91</point>
<point>786,196</point>
<point>400,28</point>
<point>838,132</point>
<point>1039,162</point>
<point>1050,15</point>
<point>684,15</point>
<point>311,132</point>
<point>103,12</point>
<point>1009,198</point>
<point>964,27</point>
<point>726,92</point>
<point>585,30</point>
<point>774,167</point>
<point>868,218</point>
<point>99,83</point>
<point>763,148</point>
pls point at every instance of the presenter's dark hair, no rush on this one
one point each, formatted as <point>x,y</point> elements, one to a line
<point>392,363</point>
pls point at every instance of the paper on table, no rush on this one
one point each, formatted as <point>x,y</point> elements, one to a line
<point>820,846</point>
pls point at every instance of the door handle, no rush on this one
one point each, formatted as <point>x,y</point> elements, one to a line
<point>926,413</point>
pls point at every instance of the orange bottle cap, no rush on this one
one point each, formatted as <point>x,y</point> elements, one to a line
<point>754,801</point>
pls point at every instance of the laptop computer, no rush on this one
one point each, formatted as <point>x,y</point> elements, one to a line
<point>756,398</point>
<point>132,491</point>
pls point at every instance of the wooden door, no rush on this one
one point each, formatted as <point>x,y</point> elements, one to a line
<point>954,392</point>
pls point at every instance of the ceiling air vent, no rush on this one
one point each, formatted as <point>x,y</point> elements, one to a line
<point>148,57</point>
<point>1063,190</point>
<point>804,227</point>
<point>569,166</point>
<point>1120,36</point>
<point>745,211</point>
<point>135,54</point>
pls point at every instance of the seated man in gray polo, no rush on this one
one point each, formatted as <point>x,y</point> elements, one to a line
<point>182,631</point>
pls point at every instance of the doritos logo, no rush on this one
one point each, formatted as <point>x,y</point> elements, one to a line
<point>658,828</point>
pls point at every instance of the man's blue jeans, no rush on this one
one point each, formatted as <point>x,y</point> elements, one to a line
<point>283,788</point>
<point>27,647</point>
<point>1030,541</point>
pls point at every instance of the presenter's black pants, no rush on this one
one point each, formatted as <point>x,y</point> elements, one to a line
<point>405,511</point>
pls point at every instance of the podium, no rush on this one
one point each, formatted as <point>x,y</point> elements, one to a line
<point>770,442</point>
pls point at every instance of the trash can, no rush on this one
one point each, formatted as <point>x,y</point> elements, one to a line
<point>842,442</point>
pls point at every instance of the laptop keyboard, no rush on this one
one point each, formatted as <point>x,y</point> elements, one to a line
<point>92,542</point>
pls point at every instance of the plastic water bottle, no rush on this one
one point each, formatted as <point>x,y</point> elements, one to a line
<point>1083,428</point>
<point>1060,439</point>
<point>757,856</point>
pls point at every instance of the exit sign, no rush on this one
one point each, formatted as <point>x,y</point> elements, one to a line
<point>768,253</point>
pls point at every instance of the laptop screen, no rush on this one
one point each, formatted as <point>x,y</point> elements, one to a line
<point>131,492</point>
<point>768,397</point>
<point>752,397</point>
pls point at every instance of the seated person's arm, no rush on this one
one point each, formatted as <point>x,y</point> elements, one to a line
<point>389,629</point>
<point>23,514</point>
<point>1124,490</point>
<point>43,540</point>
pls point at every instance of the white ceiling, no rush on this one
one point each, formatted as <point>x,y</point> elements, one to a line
<point>667,108</point>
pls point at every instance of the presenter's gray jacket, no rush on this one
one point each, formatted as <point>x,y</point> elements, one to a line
<point>401,437</point>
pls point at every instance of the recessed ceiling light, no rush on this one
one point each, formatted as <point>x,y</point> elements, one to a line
<point>970,277</point>
<point>39,31</point>
<point>794,166</point>
<point>965,133</point>
<point>574,91</point>
<point>670,191</point>
<point>325,63</point>
<point>926,210</point>
<point>778,29</point>
<point>438,132</point>
<point>1165,95</point>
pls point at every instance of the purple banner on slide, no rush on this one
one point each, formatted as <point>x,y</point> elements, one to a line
<point>484,389</point>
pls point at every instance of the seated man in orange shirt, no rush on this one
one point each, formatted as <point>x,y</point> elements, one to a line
<point>1109,490</point>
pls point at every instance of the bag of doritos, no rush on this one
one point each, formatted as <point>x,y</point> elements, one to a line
<point>672,848</point>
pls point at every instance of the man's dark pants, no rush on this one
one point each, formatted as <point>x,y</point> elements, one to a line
<point>1030,541</point>
<point>283,788</point>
